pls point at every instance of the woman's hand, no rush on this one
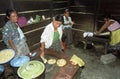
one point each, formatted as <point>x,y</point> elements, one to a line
<point>16,51</point>
<point>42,54</point>
<point>10,42</point>
<point>42,48</point>
<point>43,58</point>
<point>97,32</point>
<point>72,23</point>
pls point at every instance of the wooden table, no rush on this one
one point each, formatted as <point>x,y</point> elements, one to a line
<point>66,72</point>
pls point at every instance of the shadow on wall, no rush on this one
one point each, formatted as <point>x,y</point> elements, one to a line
<point>74,2</point>
<point>77,2</point>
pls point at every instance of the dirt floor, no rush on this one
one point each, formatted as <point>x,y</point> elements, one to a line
<point>94,68</point>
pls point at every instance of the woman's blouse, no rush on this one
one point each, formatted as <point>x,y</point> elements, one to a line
<point>67,21</point>
<point>48,34</point>
<point>114,26</point>
<point>56,36</point>
<point>10,31</point>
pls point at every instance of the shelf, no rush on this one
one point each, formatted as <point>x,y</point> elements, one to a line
<point>34,30</point>
<point>78,30</point>
<point>36,22</point>
<point>31,11</point>
<point>79,6</point>
<point>59,8</point>
<point>82,13</point>
<point>60,2</point>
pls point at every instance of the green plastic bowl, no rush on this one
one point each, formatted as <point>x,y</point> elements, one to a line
<point>31,69</point>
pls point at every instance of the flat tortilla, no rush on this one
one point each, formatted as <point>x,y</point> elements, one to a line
<point>51,61</point>
<point>61,62</point>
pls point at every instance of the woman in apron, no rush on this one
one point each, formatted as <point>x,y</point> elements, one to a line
<point>13,36</point>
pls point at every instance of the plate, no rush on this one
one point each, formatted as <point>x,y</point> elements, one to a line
<point>19,61</point>
<point>6,55</point>
<point>31,69</point>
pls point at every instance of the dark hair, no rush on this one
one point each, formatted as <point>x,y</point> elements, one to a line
<point>107,15</point>
<point>66,10</point>
<point>59,18</point>
<point>8,13</point>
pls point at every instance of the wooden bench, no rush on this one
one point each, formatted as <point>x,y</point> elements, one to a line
<point>99,40</point>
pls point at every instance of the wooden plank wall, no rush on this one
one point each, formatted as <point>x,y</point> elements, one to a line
<point>3,8</point>
<point>109,6</point>
<point>83,14</point>
<point>29,8</point>
<point>87,14</point>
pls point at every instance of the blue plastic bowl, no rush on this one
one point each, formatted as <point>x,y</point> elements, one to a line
<point>19,61</point>
<point>1,69</point>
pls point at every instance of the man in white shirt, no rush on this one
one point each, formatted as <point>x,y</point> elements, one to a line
<point>51,36</point>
